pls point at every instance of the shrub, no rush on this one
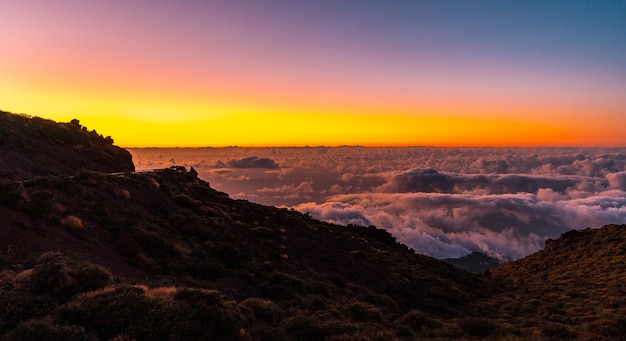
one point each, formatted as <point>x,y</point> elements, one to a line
<point>362,312</point>
<point>122,194</point>
<point>419,321</point>
<point>88,276</point>
<point>88,177</point>
<point>477,327</point>
<point>153,183</point>
<point>13,195</point>
<point>305,328</point>
<point>162,292</point>
<point>54,274</point>
<point>126,311</point>
<point>257,309</point>
<point>226,253</point>
<point>557,331</point>
<point>283,286</point>
<point>71,223</point>
<point>42,204</point>
<point>358,254</point>
<point>264,332</point>
<point>37,330</point>
<point>187,201</point>
<point>16,307</point>
<point>23,275</point>
<point>607,327</point>
<point>337,327</point>
<point>262,232</point>
<point>147,263</point>
<point>153,242</point>
<point>209,315</point>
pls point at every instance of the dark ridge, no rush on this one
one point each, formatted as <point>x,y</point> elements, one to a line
<point>33,146</point>
<point>574,287</point>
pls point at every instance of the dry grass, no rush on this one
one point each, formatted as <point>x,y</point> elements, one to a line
<point>162,292</point>
<point>23,276</point>
<point>72,223</point>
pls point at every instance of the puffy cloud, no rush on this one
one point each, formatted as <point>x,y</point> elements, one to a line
<point>617,180</point>
<point>221,171</point>
<point>336,189</point>
<point>485,166</point>
<point>450,225</point>
<point>239,178</point>
<point>594,211</point>
<point>303,187</point>
<point>347,177</point>
<point>248,162</point>
<point>336,212</point>
<point>548,194</point>
<point>281,172</point>
<point>432,181</point>
<point>508,225</point>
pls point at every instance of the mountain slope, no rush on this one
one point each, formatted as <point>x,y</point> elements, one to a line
<point>575,287</point>
<point>170,227</point>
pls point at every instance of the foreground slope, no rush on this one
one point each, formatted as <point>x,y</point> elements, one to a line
<point>170,228</point>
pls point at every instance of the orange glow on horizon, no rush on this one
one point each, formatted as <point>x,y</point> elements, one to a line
<point>171,111</point>
<point>141,120</point>
<point>165,109</point>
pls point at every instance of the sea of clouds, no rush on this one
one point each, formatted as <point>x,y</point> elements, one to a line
<point>442,202</point>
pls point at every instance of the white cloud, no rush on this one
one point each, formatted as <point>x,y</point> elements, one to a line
<point>550,195</point>
<point>508,225</point>
<point>347,177</point>
<point>303,187</point>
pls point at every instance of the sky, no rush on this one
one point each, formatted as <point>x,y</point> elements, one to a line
<point>296,73</point>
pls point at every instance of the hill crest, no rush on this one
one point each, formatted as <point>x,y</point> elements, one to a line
<point>32,146</point>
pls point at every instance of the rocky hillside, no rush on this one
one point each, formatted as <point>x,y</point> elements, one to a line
<point>170,229</point>
<point>31,146</point>
<point>95,255</point>
<point>574,288</point>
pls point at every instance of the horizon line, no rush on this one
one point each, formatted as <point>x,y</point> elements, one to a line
<point>378,146</point>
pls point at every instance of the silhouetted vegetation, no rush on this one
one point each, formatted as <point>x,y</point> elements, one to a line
<point>32,146</point>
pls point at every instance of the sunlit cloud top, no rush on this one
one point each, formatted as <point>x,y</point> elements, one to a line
<point>200,73</point>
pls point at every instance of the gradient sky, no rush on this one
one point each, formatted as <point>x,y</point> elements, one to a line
<point>254,73</point>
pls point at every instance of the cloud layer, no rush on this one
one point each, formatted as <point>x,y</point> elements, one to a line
<point>443,202</point>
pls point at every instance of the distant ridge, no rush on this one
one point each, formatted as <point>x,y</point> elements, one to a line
<point>475,262</point>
